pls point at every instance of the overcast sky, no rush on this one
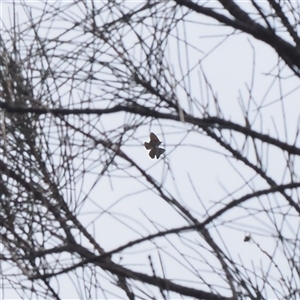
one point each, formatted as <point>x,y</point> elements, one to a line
<point>121,208</point>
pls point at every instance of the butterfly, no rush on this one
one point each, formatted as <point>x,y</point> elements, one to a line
<point>154,146</point>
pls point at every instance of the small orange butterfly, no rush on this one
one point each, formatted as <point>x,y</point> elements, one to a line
<point>153,145</point>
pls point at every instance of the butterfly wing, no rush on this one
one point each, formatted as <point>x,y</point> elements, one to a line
<point>147,146</point>
<point>153,145</point>
<point>153,137</point>
<point>154,140</point>
<point>152,153</point>
<point>159,152</point>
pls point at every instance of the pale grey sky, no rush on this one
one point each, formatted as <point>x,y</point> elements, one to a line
<point>134,211</point>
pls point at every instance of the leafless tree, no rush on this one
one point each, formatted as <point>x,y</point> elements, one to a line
<point>82,85</point>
